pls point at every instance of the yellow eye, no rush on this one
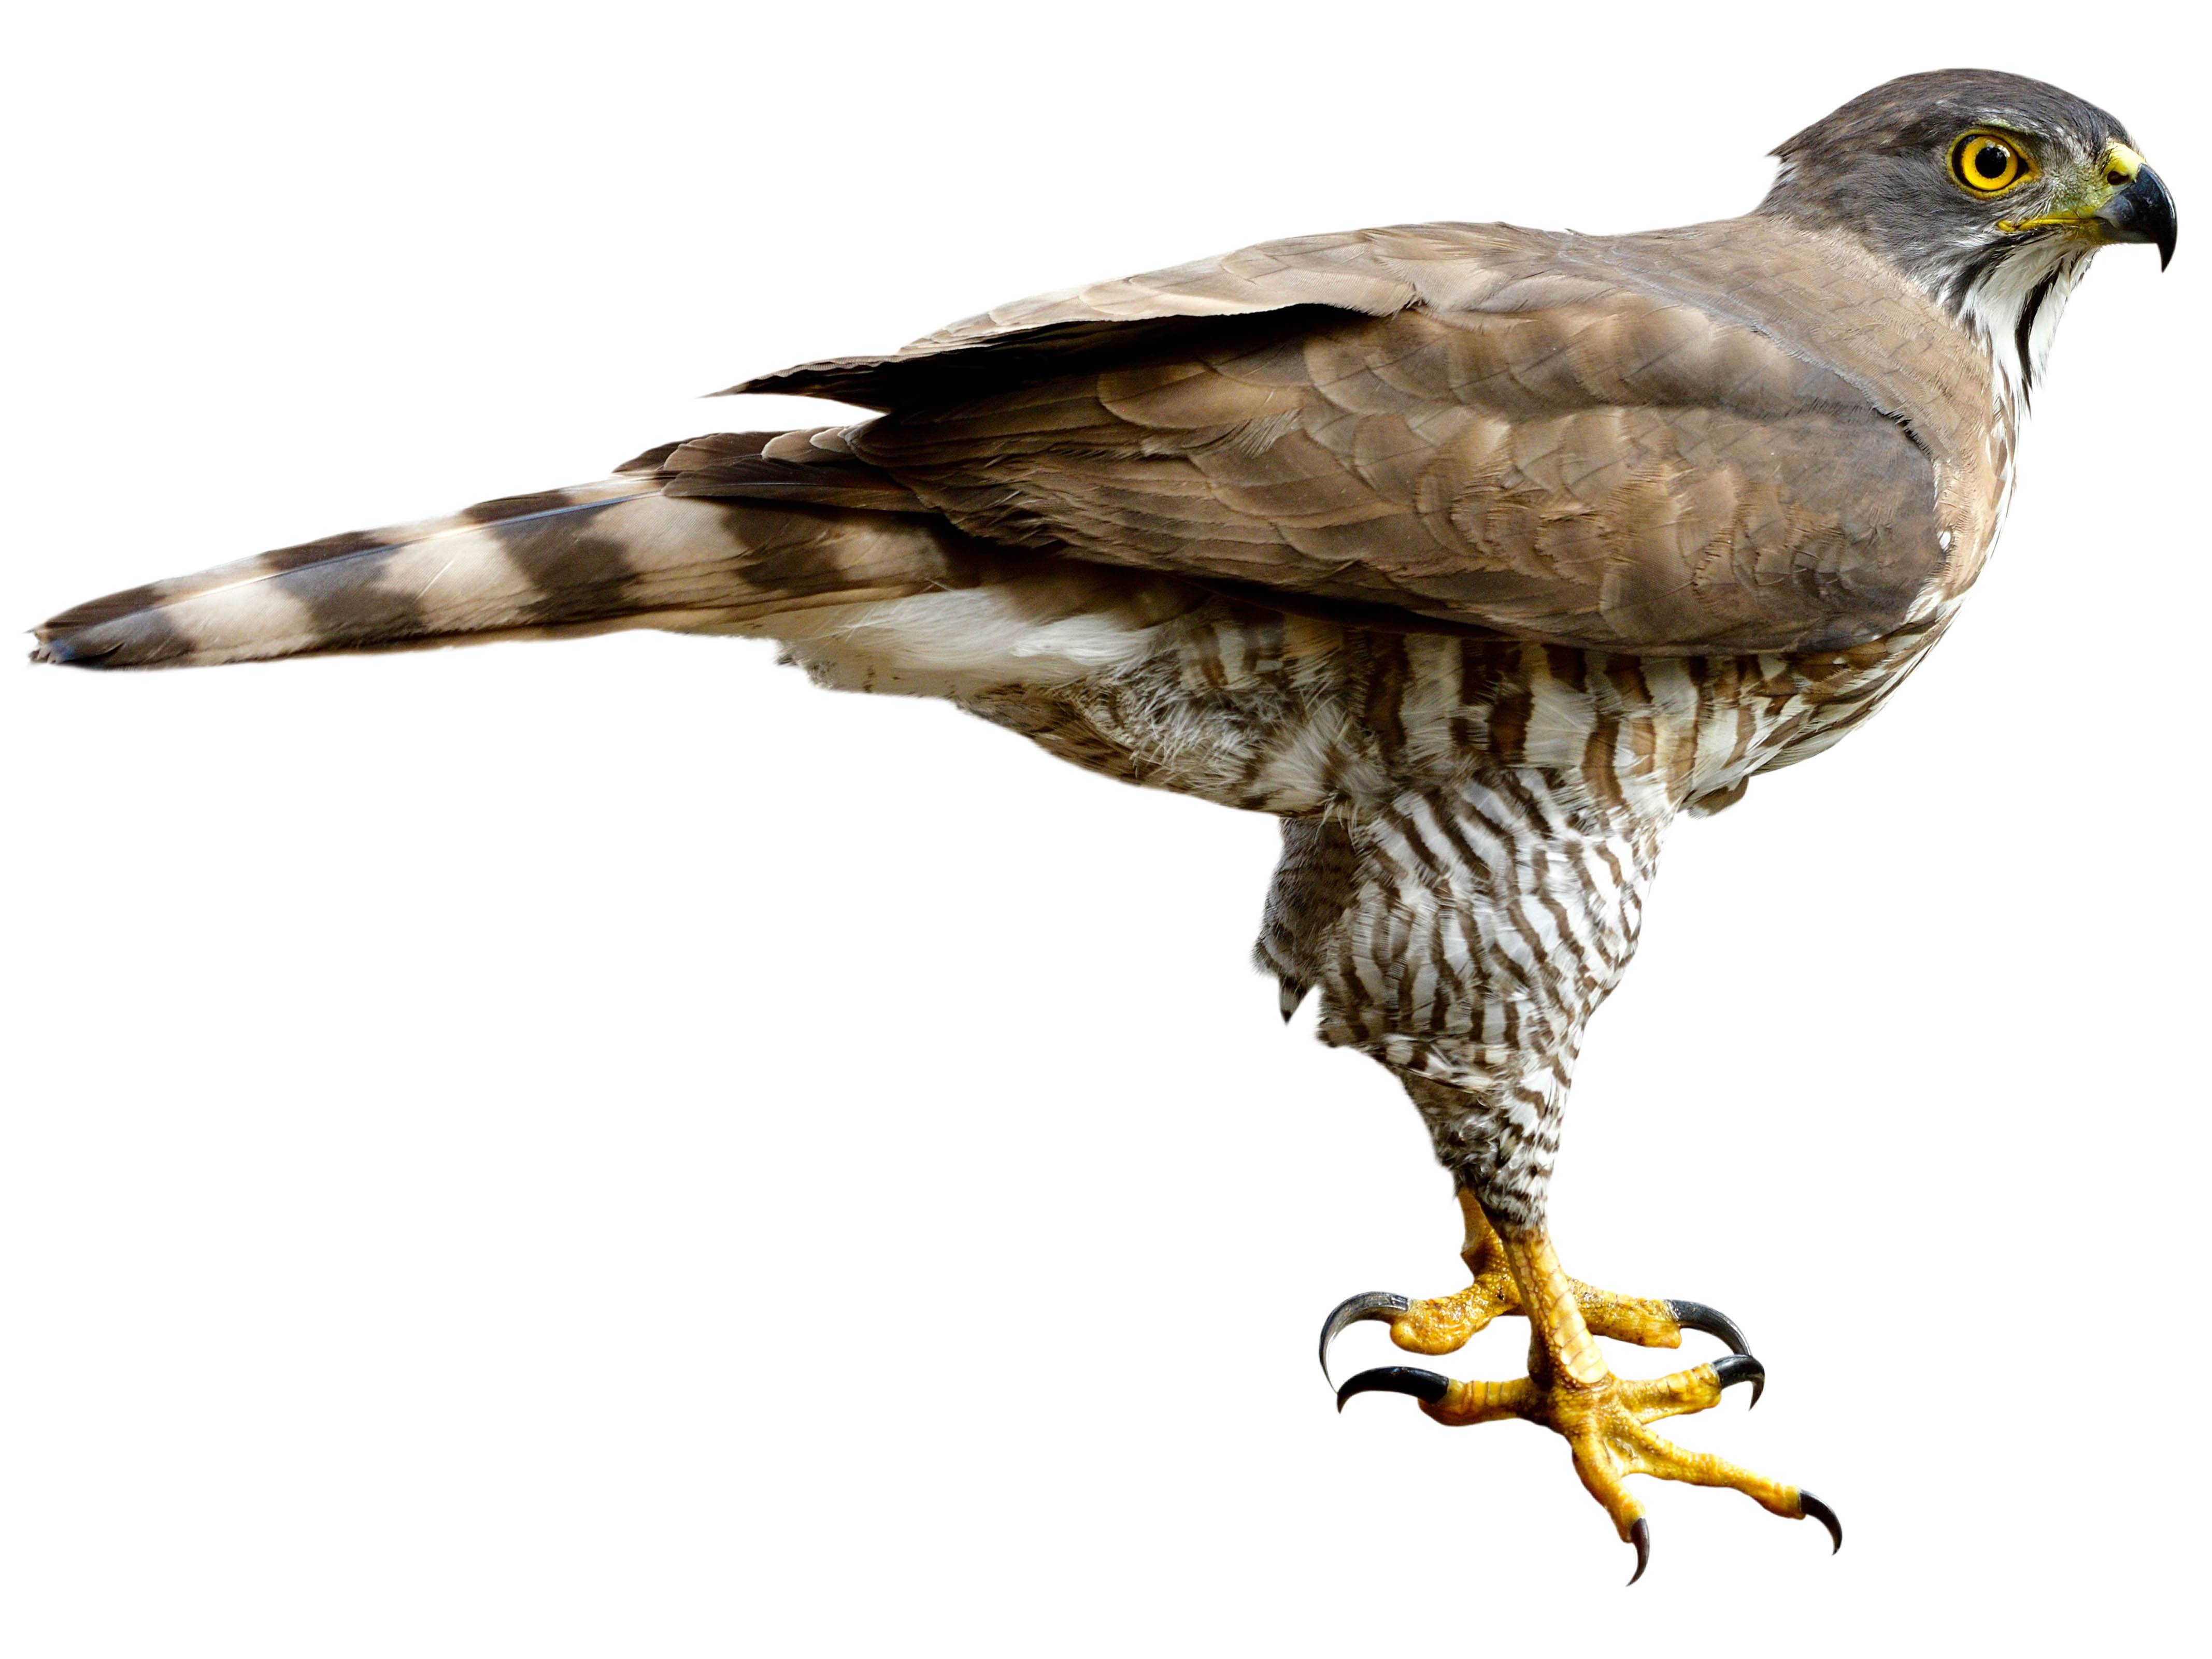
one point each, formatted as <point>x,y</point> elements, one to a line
<point>1989,164</point>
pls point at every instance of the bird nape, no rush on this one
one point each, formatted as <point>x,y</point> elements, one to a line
<point>1476,555</point>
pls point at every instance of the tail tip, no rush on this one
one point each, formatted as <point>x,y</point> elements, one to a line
<point>56,648</point>
<point>93,646</point>
<point>99,636</point>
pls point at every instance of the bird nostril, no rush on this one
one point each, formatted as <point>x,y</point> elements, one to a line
<point>2114,176</point>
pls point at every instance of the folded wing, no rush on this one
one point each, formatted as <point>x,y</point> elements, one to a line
<point>1551,437</point>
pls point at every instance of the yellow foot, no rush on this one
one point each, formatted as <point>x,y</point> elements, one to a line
<point>1604,1423</point>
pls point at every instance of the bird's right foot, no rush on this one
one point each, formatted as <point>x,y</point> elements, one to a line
<point>1444,1324</point>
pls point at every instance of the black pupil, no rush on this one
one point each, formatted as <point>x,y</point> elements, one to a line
<point>1992,161</point>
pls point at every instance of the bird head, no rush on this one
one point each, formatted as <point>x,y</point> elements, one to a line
<point>1991,190</point>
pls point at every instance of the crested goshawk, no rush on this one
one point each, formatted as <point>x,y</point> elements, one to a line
<point>1476,555</point>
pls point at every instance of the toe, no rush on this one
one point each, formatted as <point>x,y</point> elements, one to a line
<point>1645,1321</point>
<point>1699,1388</point>
<point>1645,1453</point>
<point>1603,1476</point>
<point>1444,1324</point>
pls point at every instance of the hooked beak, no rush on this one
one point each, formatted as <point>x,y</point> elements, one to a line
<point>2142,211</point>
<point>2124,200</point>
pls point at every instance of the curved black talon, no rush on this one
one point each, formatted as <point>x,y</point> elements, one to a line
<point>1639,1533</point>
<point>1819,1511</point>
<point>1368,1304</point>
<point>1735,1368</point>
<point>1697,1316</point>
<point>1426,1386</point>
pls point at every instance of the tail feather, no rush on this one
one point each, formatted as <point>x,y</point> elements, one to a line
<point>622,553</point>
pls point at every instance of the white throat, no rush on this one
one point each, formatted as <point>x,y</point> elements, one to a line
<point>2014,308</point>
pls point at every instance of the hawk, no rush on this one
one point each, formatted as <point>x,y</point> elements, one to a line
<point>1476,555</point>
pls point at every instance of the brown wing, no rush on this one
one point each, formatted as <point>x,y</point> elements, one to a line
<point>1628,444</point>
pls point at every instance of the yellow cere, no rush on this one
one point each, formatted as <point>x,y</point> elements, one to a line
<point>2079,204</point>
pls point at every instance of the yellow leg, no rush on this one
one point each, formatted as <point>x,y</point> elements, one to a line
<point>1603,1418</point>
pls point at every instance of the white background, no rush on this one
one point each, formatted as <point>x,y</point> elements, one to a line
<point>602,1149</point>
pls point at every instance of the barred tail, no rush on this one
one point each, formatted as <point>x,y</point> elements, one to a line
<point>617,553</point>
